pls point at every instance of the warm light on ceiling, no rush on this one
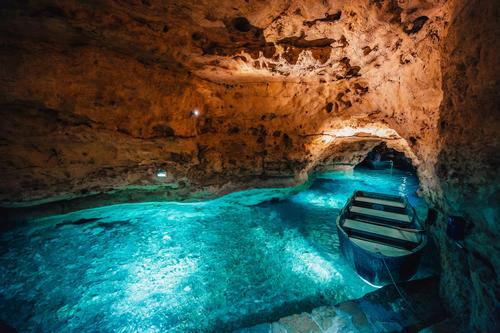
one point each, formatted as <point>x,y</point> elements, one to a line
<point>327,139</point>
<point>351,131</point>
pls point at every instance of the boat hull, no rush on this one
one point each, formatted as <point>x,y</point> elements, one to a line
<point>375,268</point>
<point>380,165</point>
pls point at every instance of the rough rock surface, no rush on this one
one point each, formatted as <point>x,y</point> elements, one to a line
<point>383,310</point>
<point>467,181</point>
<point>97,96</point>
<point>105,94</point>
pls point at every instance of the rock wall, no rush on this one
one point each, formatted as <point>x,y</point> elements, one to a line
<point>467,178</point>
<point>97,97</point>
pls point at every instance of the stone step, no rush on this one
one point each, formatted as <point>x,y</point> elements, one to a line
<point>382,310</point>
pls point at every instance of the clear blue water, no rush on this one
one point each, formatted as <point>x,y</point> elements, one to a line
<point>210,266</point>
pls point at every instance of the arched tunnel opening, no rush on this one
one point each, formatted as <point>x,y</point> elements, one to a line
<point>382,157</point>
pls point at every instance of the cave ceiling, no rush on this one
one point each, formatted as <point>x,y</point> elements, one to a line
<point>105,92</point>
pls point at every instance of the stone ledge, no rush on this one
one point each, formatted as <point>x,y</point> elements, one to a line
<point>382,310</point>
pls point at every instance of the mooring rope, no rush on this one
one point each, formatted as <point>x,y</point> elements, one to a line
<point>399,291</point>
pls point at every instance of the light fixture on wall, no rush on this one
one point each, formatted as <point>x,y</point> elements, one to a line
<point>161,173</point>
<point>195,112</point>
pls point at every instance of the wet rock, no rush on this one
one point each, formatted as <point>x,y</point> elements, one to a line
<point>299,323</point>
<point>383,310</point>
<point>262,328</point>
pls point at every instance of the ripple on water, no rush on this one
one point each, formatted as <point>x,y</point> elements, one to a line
<point>214,265</point>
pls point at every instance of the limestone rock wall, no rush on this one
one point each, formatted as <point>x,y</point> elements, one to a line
<point>466,169</point>
<point>97,97</point>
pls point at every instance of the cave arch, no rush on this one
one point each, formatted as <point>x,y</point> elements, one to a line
<point>383,157</point>
<point>346,147</point>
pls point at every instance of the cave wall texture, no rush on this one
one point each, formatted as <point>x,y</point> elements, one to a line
<point>468,162</point>
<point>96,96</point>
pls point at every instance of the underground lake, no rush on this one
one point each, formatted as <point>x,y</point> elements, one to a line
<point>209,266</point>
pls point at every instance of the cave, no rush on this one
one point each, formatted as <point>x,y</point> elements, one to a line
<point>179,166</point>
<point>382,157</point>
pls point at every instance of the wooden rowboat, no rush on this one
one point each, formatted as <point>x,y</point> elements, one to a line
<point>381,237</point>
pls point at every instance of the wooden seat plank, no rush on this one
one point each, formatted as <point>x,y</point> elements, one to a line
<point>381,202</point>
<point>384,249</point>
<point>382,230</point>
<point>380,214</point>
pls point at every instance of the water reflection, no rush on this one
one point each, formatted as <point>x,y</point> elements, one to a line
<point>169,267</point>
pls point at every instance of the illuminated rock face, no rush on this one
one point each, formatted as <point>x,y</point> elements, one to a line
<point>104,94</point>
<point>96,98</point>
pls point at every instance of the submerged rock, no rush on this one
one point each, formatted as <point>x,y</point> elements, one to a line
<point>410,307</point>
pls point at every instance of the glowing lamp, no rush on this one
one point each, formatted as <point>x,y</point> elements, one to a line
<point>195,112</point>
<point>161,173</point>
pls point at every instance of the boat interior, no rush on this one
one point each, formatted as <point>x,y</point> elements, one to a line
<point>381,223</point>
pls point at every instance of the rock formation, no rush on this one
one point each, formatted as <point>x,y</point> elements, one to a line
<point>97,97</point>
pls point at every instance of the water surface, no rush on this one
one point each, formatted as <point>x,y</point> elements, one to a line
<point>210,266</point>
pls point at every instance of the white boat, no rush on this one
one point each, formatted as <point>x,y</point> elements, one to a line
<point>381,237</point>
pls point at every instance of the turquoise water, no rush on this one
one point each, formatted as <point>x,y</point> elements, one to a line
<point>211,266</point>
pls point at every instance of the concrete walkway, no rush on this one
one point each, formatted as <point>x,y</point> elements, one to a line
<point>380,311</point>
